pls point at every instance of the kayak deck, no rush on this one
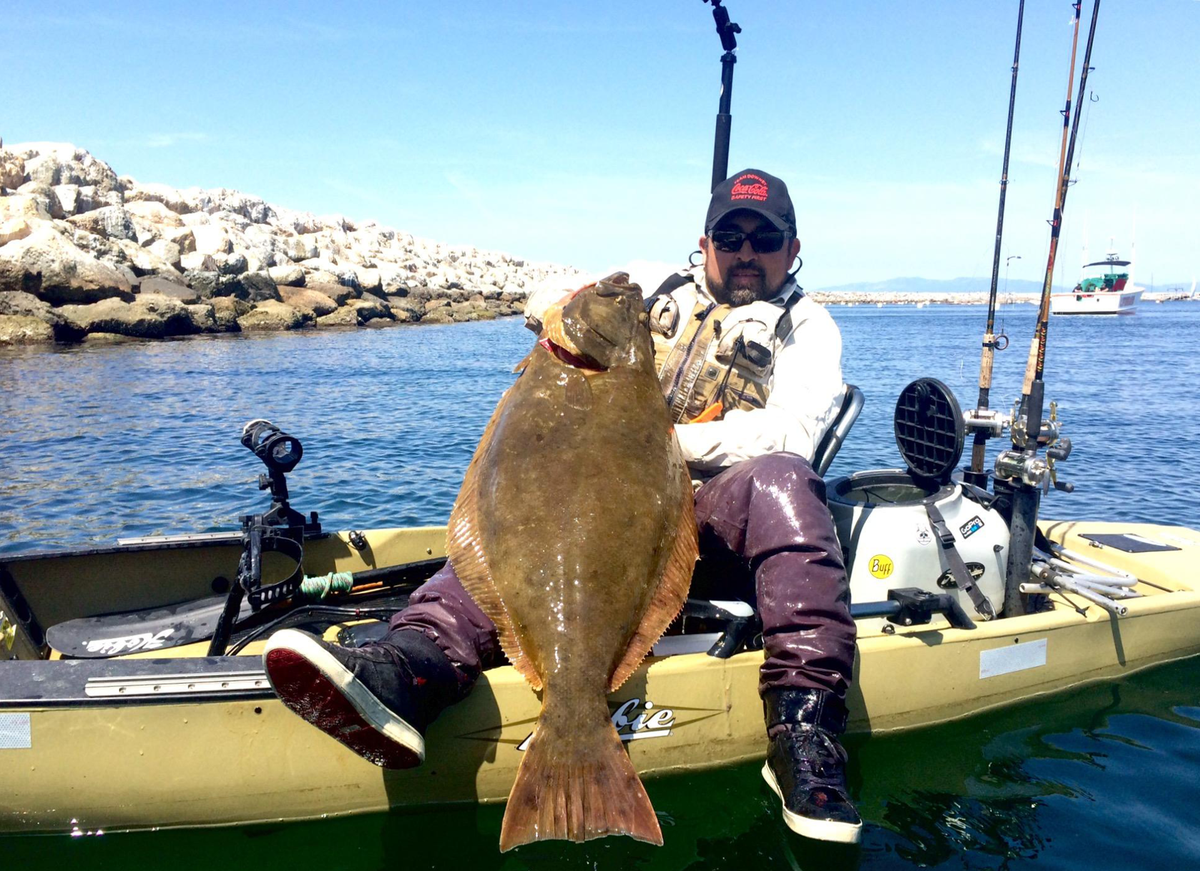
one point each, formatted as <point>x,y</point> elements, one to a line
<point>125,743</point>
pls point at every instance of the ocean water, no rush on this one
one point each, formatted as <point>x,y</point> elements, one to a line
<point>137,439</point>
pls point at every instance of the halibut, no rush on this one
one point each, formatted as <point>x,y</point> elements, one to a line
<point>574,531</point>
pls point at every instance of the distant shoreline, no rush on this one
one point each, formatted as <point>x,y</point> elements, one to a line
<point>850,298</point>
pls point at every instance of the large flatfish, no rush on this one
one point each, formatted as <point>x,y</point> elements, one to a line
<point>574,531</point>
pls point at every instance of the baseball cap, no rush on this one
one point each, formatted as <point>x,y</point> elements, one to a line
<point>752,190</point>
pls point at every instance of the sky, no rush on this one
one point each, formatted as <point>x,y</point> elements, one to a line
<point>582,132</point>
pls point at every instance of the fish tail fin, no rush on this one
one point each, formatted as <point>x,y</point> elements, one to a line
<point>575,791</point>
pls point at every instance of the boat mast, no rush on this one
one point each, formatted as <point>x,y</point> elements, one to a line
<point>1027,474</point>
<point>727,30</point>
<point>976,475</point>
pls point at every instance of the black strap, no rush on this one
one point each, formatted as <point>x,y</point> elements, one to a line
<point>784,326</point>
<point>958,569</point>
<point>673,282</point>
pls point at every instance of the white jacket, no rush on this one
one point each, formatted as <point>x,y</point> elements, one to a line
<point>805,383</point>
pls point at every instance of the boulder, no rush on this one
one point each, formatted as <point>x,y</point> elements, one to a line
<point>12,170</point>
<point>153,212</point>
<point>274,315</point>
<point>111,222</point>
<point>309,300</point>
<point>231,264</point>
<point>183,237</point>
<point>250,286</point>
<point>115,316</point>
<point>195,261</point>
<point>49,266</point>
<point>201,281</point>
<point>174,289</point>
<point>168,252</point>
<point>203,317</point>
<point>13,229</point>
<point>369,280</point>
<point>291,275</point>
<point>53,163</point>
<point>178,317</point>
<point>438,316</point>
<point>64,200</point>
<point>23,206</point>
<point>346,316</point>
<point>369,308</point>
<point>144,261</point>
<point>212,239</point>
<point>339,293</point>
<point>17,302</point>
<point>24,330</point>
<point>159,193</point>
<point>89,198</point>
<point>226,311</point>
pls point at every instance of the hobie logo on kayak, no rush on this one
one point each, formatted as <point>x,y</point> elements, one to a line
<point>129,643</point>
<point>635,720</point>
<point>633,724</point>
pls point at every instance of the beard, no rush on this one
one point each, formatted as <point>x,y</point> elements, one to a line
<point>744,284</point>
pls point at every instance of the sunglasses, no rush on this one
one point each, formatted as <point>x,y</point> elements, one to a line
<point>762,241</point>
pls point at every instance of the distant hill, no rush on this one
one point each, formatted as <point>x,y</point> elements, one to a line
<point>936,286</point>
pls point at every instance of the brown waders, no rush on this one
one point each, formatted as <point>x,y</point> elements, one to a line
<point>765,535</point>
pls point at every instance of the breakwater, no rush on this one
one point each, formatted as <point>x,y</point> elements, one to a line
<point>88,255</point>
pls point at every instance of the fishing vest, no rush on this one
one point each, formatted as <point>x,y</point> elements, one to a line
<point>710,357</point>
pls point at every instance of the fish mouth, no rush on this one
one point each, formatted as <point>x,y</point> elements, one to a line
<point>570,359</point>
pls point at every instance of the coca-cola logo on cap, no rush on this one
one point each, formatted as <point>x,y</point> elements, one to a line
<point>749,187</point>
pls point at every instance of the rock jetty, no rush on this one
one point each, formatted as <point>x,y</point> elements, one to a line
<point>86,254</point>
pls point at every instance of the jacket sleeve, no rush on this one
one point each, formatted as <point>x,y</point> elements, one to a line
<point>806,391</point>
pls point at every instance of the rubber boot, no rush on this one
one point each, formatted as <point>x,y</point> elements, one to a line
<point>806,766</point>
<point>377,699</point>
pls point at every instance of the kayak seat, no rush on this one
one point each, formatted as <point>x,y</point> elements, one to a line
<point>831,443</point>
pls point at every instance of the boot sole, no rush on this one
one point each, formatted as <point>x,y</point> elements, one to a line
<point>818,830</point>
<point>312,683</point>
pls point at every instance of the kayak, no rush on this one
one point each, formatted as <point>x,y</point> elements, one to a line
<point>130,723</point>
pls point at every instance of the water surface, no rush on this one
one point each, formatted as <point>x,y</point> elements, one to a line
<point>101,442</point>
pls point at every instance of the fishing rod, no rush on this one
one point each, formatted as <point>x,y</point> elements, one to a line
<point>728,31</point>
<point>1026,474</point>
<point>985,424</point>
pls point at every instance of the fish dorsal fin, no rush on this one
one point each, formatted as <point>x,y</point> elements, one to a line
<point>671,594</point>
<point>525,361</point>
<point>464,547</point>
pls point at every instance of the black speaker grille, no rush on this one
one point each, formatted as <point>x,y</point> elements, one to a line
<point>929,429</point>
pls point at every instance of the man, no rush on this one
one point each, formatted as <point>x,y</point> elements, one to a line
<point>750,368</point>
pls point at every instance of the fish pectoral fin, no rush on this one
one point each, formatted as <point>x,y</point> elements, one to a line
<point>671,593</point>
<point>464,549</point>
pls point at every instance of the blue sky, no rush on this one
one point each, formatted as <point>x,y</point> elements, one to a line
<point>581,132</point>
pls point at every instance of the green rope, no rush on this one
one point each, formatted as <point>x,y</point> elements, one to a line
<point>320,587</point>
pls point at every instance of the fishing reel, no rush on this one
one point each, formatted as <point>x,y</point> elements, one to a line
<point>1022,463</point>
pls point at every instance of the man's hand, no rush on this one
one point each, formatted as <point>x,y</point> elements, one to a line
<point>539,302</point>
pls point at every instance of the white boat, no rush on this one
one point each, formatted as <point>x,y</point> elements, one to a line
<point>1104,289</point>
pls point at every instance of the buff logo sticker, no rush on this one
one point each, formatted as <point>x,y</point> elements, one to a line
<point>882,566</point>
<point>749,187</point>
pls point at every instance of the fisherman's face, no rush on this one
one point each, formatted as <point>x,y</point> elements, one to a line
<point>744,276</point>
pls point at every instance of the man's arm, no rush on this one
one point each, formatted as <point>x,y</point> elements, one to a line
<point>806,393</point>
